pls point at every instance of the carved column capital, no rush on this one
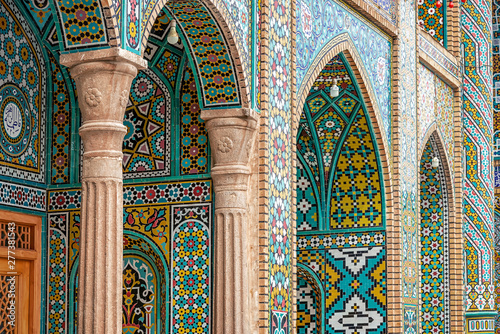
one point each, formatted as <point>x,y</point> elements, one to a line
<point>232,133</point>
<point>103,80</point>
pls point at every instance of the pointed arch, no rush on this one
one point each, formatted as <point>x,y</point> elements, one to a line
<point>222,19</point>
<point>315,291</point>
<point>441,242</point>
<point>343,44</point>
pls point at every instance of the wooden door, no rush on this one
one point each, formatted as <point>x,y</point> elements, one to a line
<point>20,271</point>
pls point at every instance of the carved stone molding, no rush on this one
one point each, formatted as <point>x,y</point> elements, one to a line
<point>232,134</point>
<point>102,79</point>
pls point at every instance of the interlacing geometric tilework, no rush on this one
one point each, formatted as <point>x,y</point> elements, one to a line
<point>193,134</point>
<point>61,125</point>
<point>146,147</point>
<point>353,276</point>
<point>408,165</point>
<point>22,98</point>
<point>320,26</point>
<point>478,179</point>
<point>356,199</point>
<point>347,191</point>
<point>169,65</point>
<point>280,167</point>
<point>434,247</point>
<point>191,269</point>
<point>166,282</point>
<point>432,18</point>
<point>82,24</point>
<point>214,66</point>
<point>307,207</point>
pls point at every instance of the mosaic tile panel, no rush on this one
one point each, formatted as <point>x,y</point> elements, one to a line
<point>353,277</point>
<point>444,115</point>
<point>356,199</point>
<point>166,262</point>
<point>214,65</point>
<point>355,290</point>
<point>57,274</point>
<point>146,147</point>
<point>478,178</point>
<point>40,12</point>
<point>408,167</point>
<point>193,133</point>
<point>431,18</point>
<point>426,111</point>
<point>169,65</point>
<point>139,296</point>
<point>434,246</point>
<point>496,76</point>
<point>307,207</point>
<point>82,24</point>
<point>319,23</point>
<point>280,172</point>
<point>238,17</point>
<point>61,125</point>
<point>191,269</point>
<point>340,240</point>
<point>435,106</point>
<point>22,108</point>
<point>133,25</point>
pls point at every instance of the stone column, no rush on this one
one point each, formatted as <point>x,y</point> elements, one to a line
<point>232,136</point>
<point>103,80</point>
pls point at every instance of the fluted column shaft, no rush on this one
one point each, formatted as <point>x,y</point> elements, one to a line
<point>232,136</point>
<point>103,80</point>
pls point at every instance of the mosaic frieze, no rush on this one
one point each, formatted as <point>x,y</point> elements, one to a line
<point>140,194</point>
<point>21,196</point>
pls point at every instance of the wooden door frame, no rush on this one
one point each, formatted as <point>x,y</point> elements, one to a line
<point>33,256</point>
